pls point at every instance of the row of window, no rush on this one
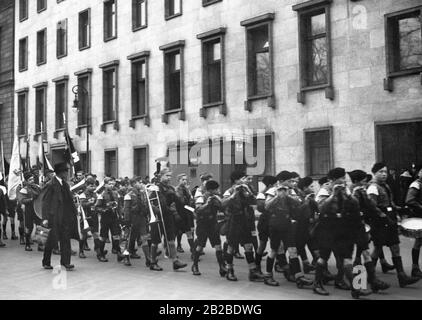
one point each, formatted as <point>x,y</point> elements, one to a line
<point>318,155</point>
<point>403,52</point>
<point>172,9</point>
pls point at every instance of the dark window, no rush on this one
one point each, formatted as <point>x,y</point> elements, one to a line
<point>140,168</point>
<point>23,10</point>
<point>62,38</point>
<point>61,104</point>
<point>41,5</point>
<point>173,8</point>
<point>42,46</point>
<point>404,41</point>
<point>83,99</point>
<point>139,14</point>
<point>208,2</point>
<point>23,54</point>
<point>40,110</point>
<point>110,163</point>
<point>173,80</point>
<point>109,94</point>
<point>314,45</point>
<point>84,29</point>
<point>139,91</point>
<point>110,19</point>
<point>22,105</point>
<point>318,152</point>
<point>212,71</point>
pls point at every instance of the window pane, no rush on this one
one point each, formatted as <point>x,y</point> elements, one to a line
<point>40,109</point>
<point>83,100</point>
<point>263,81</point>
<point>410,42</point>
<point>140,162</point>
<point>143,14</point>
<point>175,62</point>
<point>21,114</point>
<point>176,6</point>
<point>216,51</point>
<point>60,105</point>
<point>111,164</point>
<point>84,29</point>
<point>319,64</point>
<point>318,24</point>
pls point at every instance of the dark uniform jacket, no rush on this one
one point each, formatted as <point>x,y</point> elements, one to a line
<point>3,200</point>
<point>208,211</point>
<point>168,199</point>
<point>59,209</point>
<point>86,204</point>
<point>135,204</point>
<point>107,202</point>
<point>238,205</point>
<point>414,197</point>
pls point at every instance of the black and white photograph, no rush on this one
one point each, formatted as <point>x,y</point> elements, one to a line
<point>206,157</point>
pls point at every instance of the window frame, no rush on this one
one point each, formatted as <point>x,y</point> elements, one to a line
<point>105,27</point>
<point>168,49</point>
<point>81,48</point>
<point>106,67</point>
<point>308,159</point>
<point>390,47</point>
<point>249,25</point>
<point>86,73</point>
<point>64,54</point>
<point>206,39</point>
<point>25,17</point>
<point>146,148</point>
<point>63,80</point>
<point>25,56</point>
<point>167,15</point>
<point>116,150</point>
<point>141,57</point>
<point>135,16</point>
<point>39,10</point>
<point>304,11</point>
<point>206,3</point>
<point>44,47</point>
<point>23,92</point>
<point>41,86</point>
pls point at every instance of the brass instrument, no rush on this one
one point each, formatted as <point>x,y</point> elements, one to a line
<point>153,189</point>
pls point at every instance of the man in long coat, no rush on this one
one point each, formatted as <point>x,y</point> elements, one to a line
<point>59,214</point>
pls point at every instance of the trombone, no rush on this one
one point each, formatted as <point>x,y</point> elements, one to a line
<point>153,189</point>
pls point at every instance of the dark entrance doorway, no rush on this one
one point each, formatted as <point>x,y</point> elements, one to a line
<point>399,144</point>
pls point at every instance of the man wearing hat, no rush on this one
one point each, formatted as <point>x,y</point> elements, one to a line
<point>282,206</point>
<point>236,203</point>
<point>414,201</point>
<point>26,196</point>
<point>169,203</point>
<point>107,207</point>
<point>367,212</point>
<point>184,220</point>
<point>337,208</point>
<point>208,206</point>
<point>385,228</point>
<point>59,213</point>
<point>263,228</point>
<point>306,217</point>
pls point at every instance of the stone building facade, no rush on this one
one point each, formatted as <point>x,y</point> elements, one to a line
<point>6,75</point>
<point>331,83</point>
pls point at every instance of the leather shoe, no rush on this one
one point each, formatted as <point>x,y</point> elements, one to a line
<point>47,266</point>
<point>178,265</point>
<point>155,267</point>
<point>69,267</point>
<point>135,256</point>
<point>82,255</point>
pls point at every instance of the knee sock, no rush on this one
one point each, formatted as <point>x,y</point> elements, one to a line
<point>179,239</point>
<point>295,267</point>
<point>415,257</point>
<point>191,244</point>
<point>255,243</point>
<point>220,259</point>
<point>270,265</point>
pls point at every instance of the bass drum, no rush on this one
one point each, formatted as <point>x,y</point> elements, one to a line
<point>411,228</point>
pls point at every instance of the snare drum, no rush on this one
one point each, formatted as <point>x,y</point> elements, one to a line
<point>411,228</point>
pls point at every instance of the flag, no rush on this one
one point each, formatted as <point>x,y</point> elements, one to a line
<point>43,163</point>
<point>15,172</point>
<point>71,155</point>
